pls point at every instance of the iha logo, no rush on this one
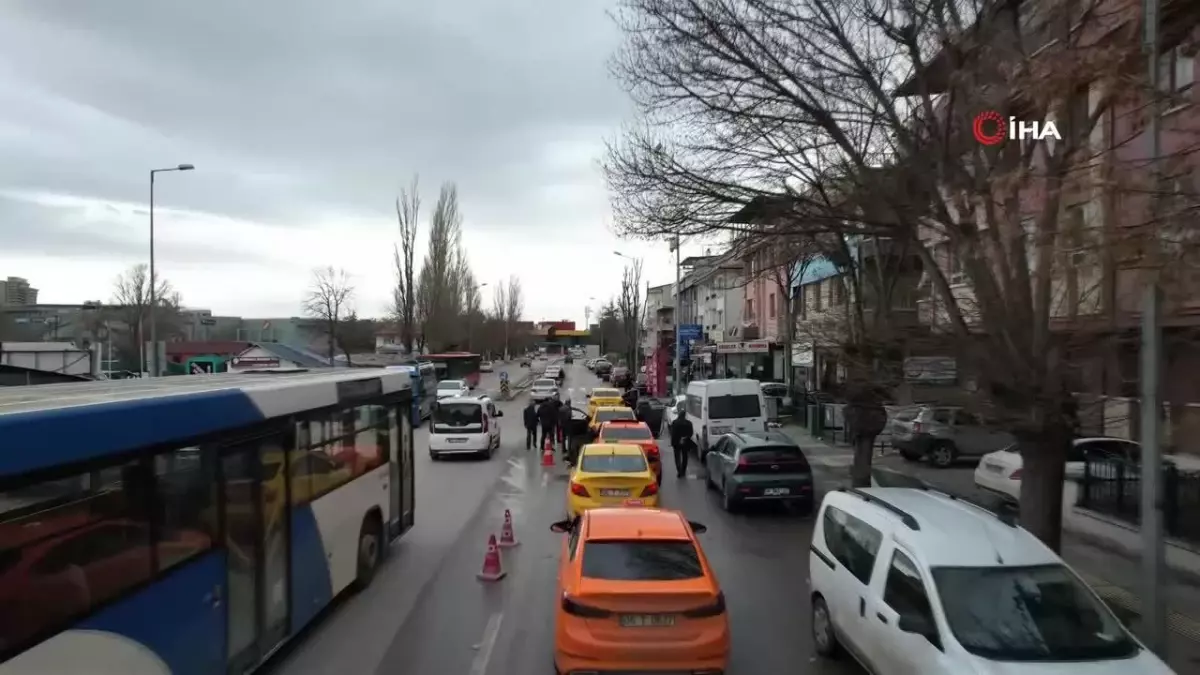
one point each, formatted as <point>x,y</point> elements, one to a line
<point>991,129</point>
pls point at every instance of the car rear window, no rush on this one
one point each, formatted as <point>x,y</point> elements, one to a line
<point>458,414</point>
<point>606,393</point>
<point>612,415</point>
<point>544,383</point>
<point>631,433</point>
<point>733,407</point>
<point>450,384</point>
<point>774,454</point>
<point>642,560</point>
<point>607,463</point>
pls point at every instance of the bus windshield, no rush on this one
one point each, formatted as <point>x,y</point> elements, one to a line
<point>456,367</point>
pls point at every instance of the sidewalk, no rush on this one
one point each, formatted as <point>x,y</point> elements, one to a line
<point>1096,553</point>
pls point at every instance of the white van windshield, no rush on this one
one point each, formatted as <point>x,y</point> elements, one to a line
<point>735,406</point>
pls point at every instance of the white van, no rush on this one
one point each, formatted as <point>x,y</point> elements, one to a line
<point>464,426</point>
<point>717,407</point>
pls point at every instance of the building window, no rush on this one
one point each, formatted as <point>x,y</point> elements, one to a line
<point>816,295</point>
<point>772,306</point>
<point>750,309</point>
<point>1176,70</point>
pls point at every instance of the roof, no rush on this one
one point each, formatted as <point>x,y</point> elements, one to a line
<point>611,449</point>
<point>298,355</point>
<point>623,423</point>
<point>753,438</point>
<point>190,347</point>
<point>956,533</point>
<point>622,523</point>
<point>51,424</point>
<point>613,408</point>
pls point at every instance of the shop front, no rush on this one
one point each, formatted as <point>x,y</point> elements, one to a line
<point>754,359</point>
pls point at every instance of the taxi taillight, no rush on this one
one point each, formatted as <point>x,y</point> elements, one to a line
<point>651,450</point>
<point>650,490</point>
<point>716,608</point>
<point>579,490</point>
<point>576,608</point>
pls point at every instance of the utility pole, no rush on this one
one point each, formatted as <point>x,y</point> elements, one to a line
<point>1154,611</point>
<point>678,377</point>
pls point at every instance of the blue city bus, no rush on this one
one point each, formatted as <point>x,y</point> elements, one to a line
<point>424,389</point>
<point>192,525</point>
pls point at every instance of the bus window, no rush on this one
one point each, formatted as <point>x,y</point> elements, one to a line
<point>185,495</point>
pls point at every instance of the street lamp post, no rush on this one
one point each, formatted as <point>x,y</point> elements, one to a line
<point>154,372</point>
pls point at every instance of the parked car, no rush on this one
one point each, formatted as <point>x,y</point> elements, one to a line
<point>602,367</point>
<point>916,581</point>
<point>759,467</point>
<point>944,434</point>
<point>452,389</point>
<point>526,362</point>
<point>486,367</point>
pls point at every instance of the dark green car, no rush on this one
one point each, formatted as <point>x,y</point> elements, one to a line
<point>759,467</point>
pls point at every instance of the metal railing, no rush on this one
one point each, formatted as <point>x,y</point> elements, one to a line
<point>1113,487</point>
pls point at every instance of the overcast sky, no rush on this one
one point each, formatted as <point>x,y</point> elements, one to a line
<point>303,117</point>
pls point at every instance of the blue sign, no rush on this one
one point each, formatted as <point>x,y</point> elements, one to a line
<point>690,331</point>
<point>504,376</point>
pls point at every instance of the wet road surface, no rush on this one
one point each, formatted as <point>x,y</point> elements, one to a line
<point>427,614</point>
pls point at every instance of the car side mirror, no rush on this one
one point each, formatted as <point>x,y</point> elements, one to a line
<point>698,528</point>
<point>499,413</point>
<point>562,526</point>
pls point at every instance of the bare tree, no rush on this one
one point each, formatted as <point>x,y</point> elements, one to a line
<point>404,301</point>
<point>831,110</point>
<point>514,308</point>
<point>630,305</point>
<point>330,299</point>
<point>128,315</point>
<point>439,283</point>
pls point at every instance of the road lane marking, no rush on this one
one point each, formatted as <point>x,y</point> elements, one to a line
<point>545,479</point>
<point>487,644</point>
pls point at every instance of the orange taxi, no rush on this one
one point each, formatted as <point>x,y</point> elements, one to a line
<point>636,594</point>
<point>626,432</point>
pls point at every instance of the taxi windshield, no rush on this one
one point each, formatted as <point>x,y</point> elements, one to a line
<point>602,462</point>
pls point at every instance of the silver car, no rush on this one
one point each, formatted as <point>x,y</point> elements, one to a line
<point>944,434</point>
<point>543,388</point>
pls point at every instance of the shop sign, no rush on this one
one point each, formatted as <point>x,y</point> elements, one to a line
<point>255,362</point>
<point>802,354</point>
<point>753,347</point>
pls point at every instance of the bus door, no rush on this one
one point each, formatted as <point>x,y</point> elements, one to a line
<point>254,508</point>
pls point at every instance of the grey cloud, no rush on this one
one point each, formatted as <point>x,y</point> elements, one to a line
<point>290,107</point>
<point>34,229</point>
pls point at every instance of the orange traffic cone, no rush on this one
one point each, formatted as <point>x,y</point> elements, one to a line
<point>548,454</point>
<point>492,569</point>
<point>508,538</point>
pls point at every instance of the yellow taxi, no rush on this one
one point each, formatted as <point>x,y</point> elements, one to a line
<point>604,397</point>
<point>610,413</point>
<point>610,474</point>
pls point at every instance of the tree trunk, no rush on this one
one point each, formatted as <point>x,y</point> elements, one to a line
<point>1043,472</point>
<point>860,470</point>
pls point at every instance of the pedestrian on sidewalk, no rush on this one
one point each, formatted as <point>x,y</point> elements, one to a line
<point>531,425</point>
<point>681,442</point>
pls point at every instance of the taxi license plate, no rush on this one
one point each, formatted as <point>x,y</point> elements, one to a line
<point>609,492</point>
<point>647,620</point>
<point>634,502</point>
<point>776,492</point>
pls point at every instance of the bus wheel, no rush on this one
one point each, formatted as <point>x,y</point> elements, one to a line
<point>370,549</point>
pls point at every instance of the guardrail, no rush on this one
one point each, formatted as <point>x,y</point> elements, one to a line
<point>1113,487</point>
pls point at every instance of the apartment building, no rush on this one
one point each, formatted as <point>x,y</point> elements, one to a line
<point>658,329</point>
<point>16,292</point>
<point>711,296</point>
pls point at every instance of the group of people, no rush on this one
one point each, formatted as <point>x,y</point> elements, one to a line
<point>553,417</point>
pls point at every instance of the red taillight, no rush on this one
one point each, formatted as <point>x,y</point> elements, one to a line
<point>576,608</point>
<point>743,463</point>
<point>916,427</point>
<point>485,424</point>
<point>717,608</point>
<point>650,490</point>
<point>651,450</point>
<point>1015,475</point>
<point>578,490</point>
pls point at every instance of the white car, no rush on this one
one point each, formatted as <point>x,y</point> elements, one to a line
<point>543,388</point>
<point>911,581</point>
<point>485,367</point>
<point>452,389</point>
<point>464,426</point>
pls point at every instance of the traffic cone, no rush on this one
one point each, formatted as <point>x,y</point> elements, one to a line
<point>492,569</point>
<point>508,538</point>
<point>548,454</point>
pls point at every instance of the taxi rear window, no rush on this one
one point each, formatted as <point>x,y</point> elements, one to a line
<point>641,560</point>
<point>631,433</point>
<point>610,415</point>
<point>605,463</point>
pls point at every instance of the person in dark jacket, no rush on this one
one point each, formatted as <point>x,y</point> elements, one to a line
<point>681,442</point>
<point>548,417</point>
<point>531,424</point>
<point>564,425</point>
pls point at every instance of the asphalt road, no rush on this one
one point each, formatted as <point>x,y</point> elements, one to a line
<point>427,614</point>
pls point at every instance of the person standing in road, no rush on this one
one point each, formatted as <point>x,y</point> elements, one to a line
<point>531,424</point>
<point>548,417</point>
<point>681,442</point>
<point>564,426</point>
